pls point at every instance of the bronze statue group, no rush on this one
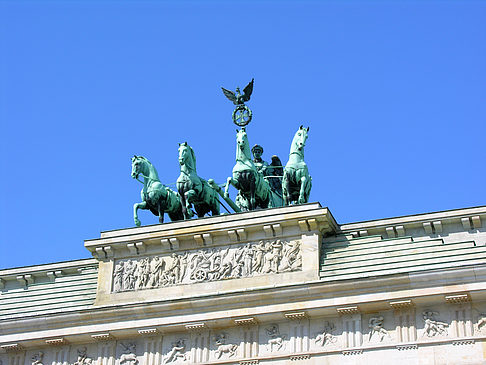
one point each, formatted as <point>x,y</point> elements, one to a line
<point>259,185</point>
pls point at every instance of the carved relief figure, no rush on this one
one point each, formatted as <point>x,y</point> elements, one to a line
<point>118,277</point>
<point>481,321</point>
<point>223,347</point>
<point>376,327</point>
<point>432,326</point>
<point>276,340</point>
<point>207,265</point>
<point>177,352</point>
<point>259,250</point>
<point>37,358</point>
<point>326,337</point>
<point>128,357</point>
<point>83,358</point>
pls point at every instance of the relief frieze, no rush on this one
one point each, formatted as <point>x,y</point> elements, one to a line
<point>205,265</point>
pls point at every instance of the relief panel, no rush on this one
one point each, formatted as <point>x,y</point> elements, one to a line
<point>205,265</point>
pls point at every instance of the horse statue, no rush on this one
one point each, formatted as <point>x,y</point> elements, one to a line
<point>156,197</point>
<point>193,189</point>
<point>297,183</point>
<point>253,190</point>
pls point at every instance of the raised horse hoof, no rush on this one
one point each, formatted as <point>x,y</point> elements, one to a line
<point>137,222</point>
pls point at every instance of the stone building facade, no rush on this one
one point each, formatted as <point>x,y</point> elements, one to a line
<point>278,286</point>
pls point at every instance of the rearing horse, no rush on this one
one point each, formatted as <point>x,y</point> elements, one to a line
<point>156,197</point>
<point>297,183</point>
<point>250,183</point>
<point>193,189</point>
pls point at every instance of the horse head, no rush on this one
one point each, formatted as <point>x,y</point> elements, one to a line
<point>300,138</point>
<point>242,143</point>
<point>187,156</point>
<point>138,166</point>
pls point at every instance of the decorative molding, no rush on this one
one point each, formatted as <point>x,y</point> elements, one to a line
<point>412,346</point>
<point>136,248</point>
<point>352,352</point>
<point>476,221</point>
<point>250,321</point>
<point>466,223</point>
<point>300,357</point>
<point>195,326</point>
<point>296,315</point>
<point>437,226</point>
<point>249,362</point>
<point>348,310</point>
<point>148,331</point>
<point>433,227</point>
<point>170,243</point>
<point>104,252</point>
<point>25,280</point>
<point>273,230</point>
<point>56,341</point>
<point>307,225</point>
<point>237,234</point>
<point>401,304</point>
<point>457,298</point>
<point>390,231</point>
<point>52,275</point>
<point>463,342</point>
<point>428,227</point>
<point>203,239</point>
<point>102,337</point>
<point>12,347</point>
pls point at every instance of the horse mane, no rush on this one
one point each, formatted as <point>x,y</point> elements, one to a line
<point>150,165</point>
<point>193,156</point>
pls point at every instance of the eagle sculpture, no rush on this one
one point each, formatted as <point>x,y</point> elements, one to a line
<point>238,98</point>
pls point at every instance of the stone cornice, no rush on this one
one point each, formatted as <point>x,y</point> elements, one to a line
<point>416,219</point>
<point>47,269</point>
<point>317,299</point>
<point>309,217</point>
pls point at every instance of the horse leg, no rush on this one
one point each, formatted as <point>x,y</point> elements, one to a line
<point>182,195</point>
<point>189,197</point>
<point>215,208</point>
<point>228,182</point>
<point>303,186</point>
<point>161,214</point>
<point>136,206</point>
<point>285,189</point>
<point>252,183</point>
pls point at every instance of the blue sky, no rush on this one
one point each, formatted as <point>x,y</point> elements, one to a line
<point>394,94</point>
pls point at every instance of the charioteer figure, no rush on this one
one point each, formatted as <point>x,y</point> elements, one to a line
<point>260,164</point>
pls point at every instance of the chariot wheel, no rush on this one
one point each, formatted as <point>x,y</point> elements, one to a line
<point>200,275</point>
<point>242,115</point>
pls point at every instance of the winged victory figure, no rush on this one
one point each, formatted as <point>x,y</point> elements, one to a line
<point>238,98</point>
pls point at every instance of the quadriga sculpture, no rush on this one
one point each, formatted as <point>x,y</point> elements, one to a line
<point>193,189</point>
<point>297,183</point>
<point>254,190</point>
<point>156,197</point>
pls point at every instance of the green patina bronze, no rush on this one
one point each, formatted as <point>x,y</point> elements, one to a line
<point>260,185</point>
<point>242,115</point>
<point>156,197</point>
<point>194,190</point>
<point>297,183</point>
<point>253,189</point>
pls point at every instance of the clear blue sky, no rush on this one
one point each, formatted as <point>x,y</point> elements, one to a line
<point>394,94</point>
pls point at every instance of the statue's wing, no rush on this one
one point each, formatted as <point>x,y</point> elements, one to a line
<point>248,90</point>
<point>229,94</point>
